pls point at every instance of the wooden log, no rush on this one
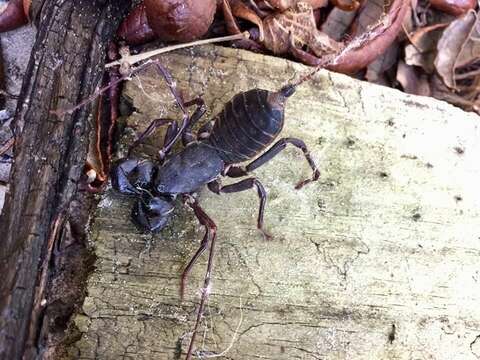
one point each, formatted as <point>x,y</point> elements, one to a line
<point>377,260</point>
<point>39,223</point>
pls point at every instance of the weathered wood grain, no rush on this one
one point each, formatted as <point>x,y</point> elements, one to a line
<point>65,66</point>
<point>378,260</point>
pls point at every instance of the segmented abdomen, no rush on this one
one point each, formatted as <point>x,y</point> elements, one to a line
<point>246,126</point>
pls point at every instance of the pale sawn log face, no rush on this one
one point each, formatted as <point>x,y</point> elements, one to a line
<point>389,235</point>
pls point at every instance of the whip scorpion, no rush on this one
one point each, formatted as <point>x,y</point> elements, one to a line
<point>248,124</point>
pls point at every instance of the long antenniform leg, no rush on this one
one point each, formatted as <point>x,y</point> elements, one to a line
<point>173,132</point>
<point>201,109</point>
<point>209,237</point>
<point>236,171</point>
<point>187,120</point>
<point>154,125</point>
<point>243,185</point>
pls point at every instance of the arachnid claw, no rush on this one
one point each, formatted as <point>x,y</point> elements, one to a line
<point>129,176</point>
<point>152,213</point>
<point>315,177</point>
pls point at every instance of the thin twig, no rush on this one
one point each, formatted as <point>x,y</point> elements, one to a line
<point>133,59</point>
<point>467,74</point>
<point>357,42</point>
<point>129,60</point>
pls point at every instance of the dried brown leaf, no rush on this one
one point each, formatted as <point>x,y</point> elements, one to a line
<point>368,14</point>
<point>337,23</point>
<point>470,52</point>
<point>287,4</point>
<point>233,28</point>
<point>297,27</point>
<point>230,23</point>
<point>349,5</point>
<point>412,81</point>
<point>134,29</point>
<point>422,49</point>
<point>364,49</point>
<point>382,64</point>
<point>240,10</point>
<point>454,7</point>
<point>409,23</point>
<point>469,100</point>
<point>454,40</point>
<point>27,4</point>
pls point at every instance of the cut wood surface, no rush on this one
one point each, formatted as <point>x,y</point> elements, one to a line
<point>377,260</point>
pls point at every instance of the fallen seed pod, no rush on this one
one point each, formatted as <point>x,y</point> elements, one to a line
<point>180,20</point>
<point>13,14</point>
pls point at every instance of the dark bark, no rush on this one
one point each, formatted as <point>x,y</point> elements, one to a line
<point>39,217</point>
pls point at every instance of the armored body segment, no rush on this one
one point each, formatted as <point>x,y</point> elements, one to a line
<point>185,172</point>
<point>246,126</point>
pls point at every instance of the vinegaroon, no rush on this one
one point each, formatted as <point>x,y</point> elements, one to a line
<point>246,126</point>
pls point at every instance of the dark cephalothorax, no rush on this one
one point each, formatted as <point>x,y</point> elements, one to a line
<point>241,132</point>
